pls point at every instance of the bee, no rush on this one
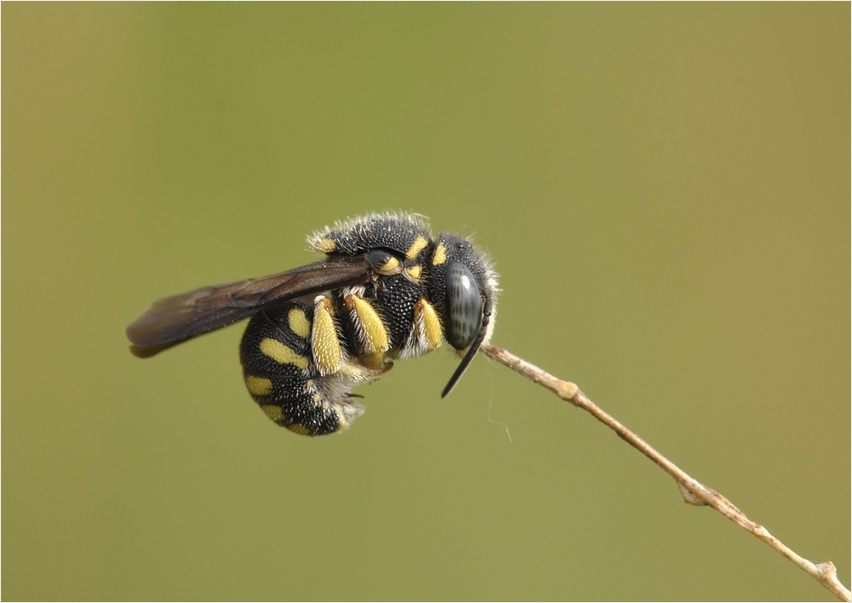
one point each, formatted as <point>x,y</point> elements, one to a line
<point>385,290</point>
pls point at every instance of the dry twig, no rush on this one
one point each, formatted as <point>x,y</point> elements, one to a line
<point>692,491</point>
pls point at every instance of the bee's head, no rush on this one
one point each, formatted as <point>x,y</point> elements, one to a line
<point>463,285</point>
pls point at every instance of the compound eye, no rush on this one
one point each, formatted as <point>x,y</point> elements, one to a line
<point>464,306</point>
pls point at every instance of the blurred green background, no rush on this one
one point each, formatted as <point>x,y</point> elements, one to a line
<point>666,192</point>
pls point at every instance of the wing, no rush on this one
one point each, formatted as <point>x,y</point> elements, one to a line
<point>172,320</point>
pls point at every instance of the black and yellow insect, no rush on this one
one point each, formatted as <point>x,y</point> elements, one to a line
<point>386,290</point>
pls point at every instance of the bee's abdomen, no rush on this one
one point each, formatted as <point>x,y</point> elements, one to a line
<point>280,374</point>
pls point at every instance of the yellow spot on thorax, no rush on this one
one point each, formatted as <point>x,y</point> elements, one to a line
<point>389,266</point>
<point>440,255</point>
<point>259,386</point>
<point>325,245</point>
<point>299,323</point>
<point>282,354</point>
<point>416,247</point>
<point>413,272</point>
